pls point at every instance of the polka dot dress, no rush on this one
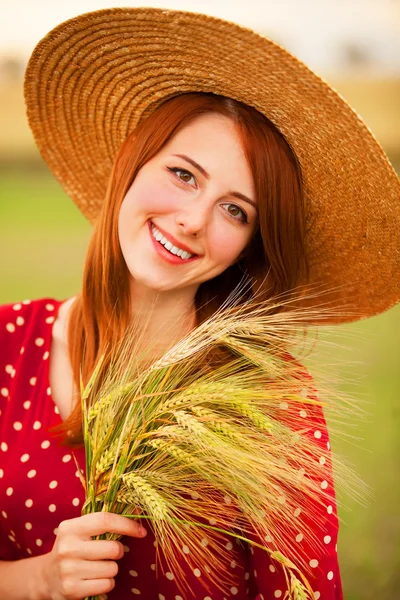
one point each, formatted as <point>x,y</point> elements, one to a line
<point>40,487</point>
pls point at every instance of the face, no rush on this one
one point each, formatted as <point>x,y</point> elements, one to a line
<point>191,209</point>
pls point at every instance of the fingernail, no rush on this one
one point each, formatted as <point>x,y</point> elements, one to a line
<point>142,531</point>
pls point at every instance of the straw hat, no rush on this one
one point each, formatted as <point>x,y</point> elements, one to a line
<point>92,79</point>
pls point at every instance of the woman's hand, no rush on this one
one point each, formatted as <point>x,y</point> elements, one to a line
<point>78,566</point>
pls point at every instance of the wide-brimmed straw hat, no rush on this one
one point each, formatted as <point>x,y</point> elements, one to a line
<point>93,78</point>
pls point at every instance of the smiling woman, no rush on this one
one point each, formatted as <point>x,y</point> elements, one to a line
<point>205,156</point>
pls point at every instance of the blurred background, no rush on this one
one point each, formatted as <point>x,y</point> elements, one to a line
<point>355,46</point>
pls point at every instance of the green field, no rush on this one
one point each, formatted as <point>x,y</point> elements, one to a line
<point>42,244</point>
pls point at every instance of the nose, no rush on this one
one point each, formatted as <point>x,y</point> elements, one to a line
<point>193,219</point>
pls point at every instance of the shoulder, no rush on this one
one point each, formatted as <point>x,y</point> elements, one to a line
<point>21,320</point>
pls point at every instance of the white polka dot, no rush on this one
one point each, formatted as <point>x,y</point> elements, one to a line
<point>10,327</point>
<point>37,425</point>
<point>3,512</point>
<point>328,445</point>
<point>28,502</point>
<point>45,444</point>
<point>31,473</point>
<point>197,572</point>
<point>207,598</point>
<point>300,473</point>
<point>233,564</point>
<point>161,597</point>
<point>153,567</point>
<point>48,391</point>
<point>272,568</point>
<point>20,321</point>
<point>247,576</point>
<point>39,341</point>
<point>22,350</point>
<point>9,369</point>
<point>255,573</point>
<point>169,575</point>
<point>299,537</point>
<point>234,591</point>
<point>26,301</point>
<point>49,320</point>
<point>76,501</point>
<point>66,458</point>
<point>133,573</point>
<point>135,591</point>
<point>324,485</point>
<point>9,491</point>
<point>28,525</point>
<point>12,538</point>
<point>1,473</point>
<point>229,546</point>
<point>327,539</point>
<point>32,381</point>
<point>185,550</point>
<point>281,499</point>
<point>24,457</point>
<point>52,508</point>
<point>39,543</point>
<point>297,512</point>
<point>212,521</point>
<point>317,595</point>
<point>277,593</point>
<point>53,484</point>
<point>49,306</point>
<point>27,404</point>
<point>284,406</point>
<point>178,598</point>
<point>313,563</point>
<point>268,538</point>
<point>303,414</point>
<point>46,355</point>
<point>204,542</point>
<point>17,306</point>
<point>335,547</point>
<point>227,499</point>
<point>317,434</point>
<point>330,575</point>
<point>303,392</point>
<point>17,425</point>
<point>29,551</point>
<point>4,392</point>
<point>329,509</point>
<point>4,446</point>
<point>195,495</point>
<point>322,460</point>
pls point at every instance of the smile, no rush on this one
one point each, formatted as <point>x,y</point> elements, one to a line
<point>159,237</point>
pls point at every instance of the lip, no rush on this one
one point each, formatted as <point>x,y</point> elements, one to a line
<point>165,254</point>
<point>173,240</point>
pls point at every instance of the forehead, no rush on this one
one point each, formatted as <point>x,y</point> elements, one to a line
<point>208,133</point>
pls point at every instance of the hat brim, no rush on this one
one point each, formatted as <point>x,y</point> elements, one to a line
<point>92,79</point>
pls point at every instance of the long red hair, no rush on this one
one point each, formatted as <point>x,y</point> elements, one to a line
<point>275,259</point>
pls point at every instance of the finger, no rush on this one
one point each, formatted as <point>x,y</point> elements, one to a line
<point>101,522</point>
<point>99,550</point>
<point>100,569</point>
<point>94,587</point>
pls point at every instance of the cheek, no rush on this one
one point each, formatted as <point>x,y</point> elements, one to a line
<point>227,244</point>
<point>146,200</point>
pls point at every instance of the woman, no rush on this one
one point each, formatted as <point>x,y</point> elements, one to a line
<point>205,188</point>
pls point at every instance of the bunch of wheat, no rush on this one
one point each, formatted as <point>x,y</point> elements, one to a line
<point>173,442</point>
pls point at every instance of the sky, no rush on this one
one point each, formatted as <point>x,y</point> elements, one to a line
<point>314,30</point>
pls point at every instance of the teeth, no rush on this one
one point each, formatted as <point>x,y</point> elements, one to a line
<point>167,244</point>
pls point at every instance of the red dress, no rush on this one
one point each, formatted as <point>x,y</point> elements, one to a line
<point>39,486</point>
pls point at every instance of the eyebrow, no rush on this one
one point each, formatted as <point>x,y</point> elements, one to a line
<point>207,176</point>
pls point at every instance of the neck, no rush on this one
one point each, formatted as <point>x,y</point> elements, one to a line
<point>161,318</point>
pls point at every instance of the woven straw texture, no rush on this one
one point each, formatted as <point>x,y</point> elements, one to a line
<point>92,79</point>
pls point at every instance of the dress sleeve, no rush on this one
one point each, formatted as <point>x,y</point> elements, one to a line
<point>321,559</point>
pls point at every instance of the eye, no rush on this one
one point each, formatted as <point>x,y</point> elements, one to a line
<point>183,175</point>
<point>236,212</point>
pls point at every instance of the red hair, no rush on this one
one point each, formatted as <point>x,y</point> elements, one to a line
<point>275,259</point>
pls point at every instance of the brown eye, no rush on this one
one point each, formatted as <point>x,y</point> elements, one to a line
<point>183,175</point>
<point>236,212</point>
